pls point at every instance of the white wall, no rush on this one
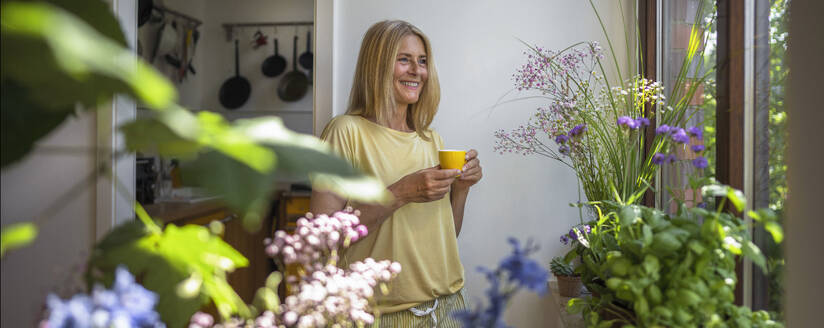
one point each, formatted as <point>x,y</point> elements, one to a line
<point>476,50</point>
<point>55,262</point>
<point>214,56</point>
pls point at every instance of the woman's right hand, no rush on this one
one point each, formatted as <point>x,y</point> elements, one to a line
<point>423,186</point>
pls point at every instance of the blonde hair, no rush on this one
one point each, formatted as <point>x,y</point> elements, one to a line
<point>373,92</point>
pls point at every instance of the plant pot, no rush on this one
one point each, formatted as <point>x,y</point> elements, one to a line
<point>569,286</point>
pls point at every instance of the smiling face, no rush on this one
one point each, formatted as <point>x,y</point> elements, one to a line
<point>410,70</point>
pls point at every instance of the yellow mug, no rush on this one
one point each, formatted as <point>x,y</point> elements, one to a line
<point>452,159</point>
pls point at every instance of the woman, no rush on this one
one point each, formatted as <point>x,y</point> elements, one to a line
<point>385,132</point>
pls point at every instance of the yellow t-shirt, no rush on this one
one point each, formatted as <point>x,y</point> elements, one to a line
<point>420,236</point>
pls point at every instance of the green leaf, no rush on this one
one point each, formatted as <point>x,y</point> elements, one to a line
<point>244,190</point>
<point>737,198</point>
<point>17,235</point>
<point>24,122</point>
<point>651,264</point>
<point>647,233</point>
<point>687,297</point>
<point>168,263</point>
<point>365,189</point>
<point>299,155</point>
<point>81,52</point>
<point>576,305</point>
<point>665,242</point>
<point>696,247</point>
<point>752,251</point>
<point>654,295</point>
<point>52,61</point>
<point>629,214</point>
<point>775,230</point>
<point>151,135</point>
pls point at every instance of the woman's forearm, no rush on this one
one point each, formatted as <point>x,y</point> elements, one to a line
<point>373,215</point>
<point>458,199</point>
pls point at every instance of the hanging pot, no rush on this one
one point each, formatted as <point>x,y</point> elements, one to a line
<point>144,11</point>
<point>294,84</point>
<point>235,91</point>
<point>275,64</point>
<point>306,58</point>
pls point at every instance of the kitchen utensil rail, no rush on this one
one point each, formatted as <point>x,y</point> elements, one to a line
<point>196,22</point>
<point>230,27</point>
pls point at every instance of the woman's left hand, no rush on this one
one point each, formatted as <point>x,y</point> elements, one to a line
<point>471,172</point>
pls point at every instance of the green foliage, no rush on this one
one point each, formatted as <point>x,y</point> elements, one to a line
<point>61,56</point>
<point>559,267</point>
<point>17,235</point>
<point>186,266</point>
<point>240,160</point>
<point>654,269</point>
<point>52,61</point>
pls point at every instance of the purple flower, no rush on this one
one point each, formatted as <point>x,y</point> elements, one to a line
<point>700,162</point>
<point>563,150</point>
<point>577,130</point>
<point>658,158</point>
<point>629,122</point>
<point>573,235</point>
<point>624,120</point>
<point>562,138</point>
<point>587,229</point>
<point>663,129</point>
<point>680,136</point>
<point>697,148</point>
<point>564,239</point>
<point>642,121</point>
<point>696,132</point>
<point>670,158</point>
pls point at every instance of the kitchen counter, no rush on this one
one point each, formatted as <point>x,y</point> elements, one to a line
<point>183,213</point>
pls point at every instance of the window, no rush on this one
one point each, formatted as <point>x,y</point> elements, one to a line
<point>739,106</point>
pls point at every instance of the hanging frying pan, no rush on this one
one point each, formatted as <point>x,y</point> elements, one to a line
<point>235,91</point>
<point>144,11</point>
<point>275,64</point>
<point>306,58</point>
<point>294,84</point>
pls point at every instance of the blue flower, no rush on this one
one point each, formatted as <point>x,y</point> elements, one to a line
<point>658,159</point>
<point>680,136</point>
<point>562,138</point>
<point>515,271</point>
<point>663,129</point>
<point>696,132</point>
<point>127,304</point>
<point>564,239</point>
<point>697,148</point>
<point>700,162</point>
<point>75,312</point>
<point>523,270</point>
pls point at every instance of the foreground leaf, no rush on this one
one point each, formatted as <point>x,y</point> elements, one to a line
<point>165,262</point>
<point>17,235</point>
<point>52,61</point>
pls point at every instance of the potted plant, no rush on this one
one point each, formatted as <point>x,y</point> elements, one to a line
<point>647,268</point>
<point>569,283</point>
